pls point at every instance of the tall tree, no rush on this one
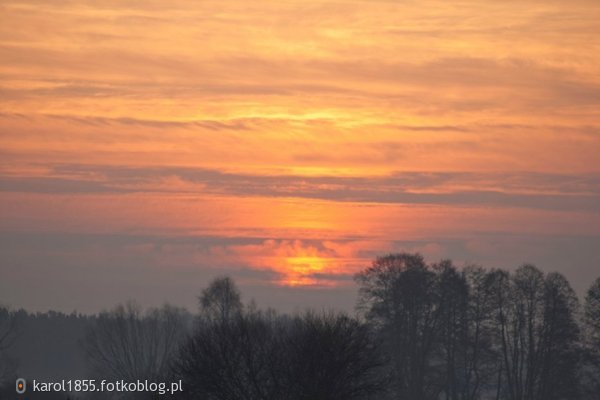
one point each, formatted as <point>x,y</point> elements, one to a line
<point>464,334</point>
<point>480,356</point>
<point>221,300</point>
<point>501,298</point>
<point>591,367</point>
<point>127,344</point>
<point>537,335</point>
<point>399,296</point>
<point>592,315</point>
<point>8,333</point>
<point>559,342</point>
<point>520,326</point>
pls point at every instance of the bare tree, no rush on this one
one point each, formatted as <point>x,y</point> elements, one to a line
<point>474,334</point>
<point>453,300</point>
<point>558,347</point>
<point>480,358</point>
<point>591,364</point>
<point>220,300</point>
<point>8,333</point>
<point>399,296</point>
<point>437,324</point>
<point>537,335</point>
<point>520,310</point>
<point>333,357</point>
<point>592,315</point>
<point>501,297</point>
<point>232,359</point>
<point>255,355</point>
<point>125,343</point>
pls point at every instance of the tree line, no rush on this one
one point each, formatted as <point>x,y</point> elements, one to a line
<point>482,334</point>
<point>421,332</point>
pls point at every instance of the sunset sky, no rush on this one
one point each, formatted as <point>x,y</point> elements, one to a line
<point>148,146</point>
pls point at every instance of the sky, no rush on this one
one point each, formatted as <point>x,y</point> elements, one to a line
<point>147,147</point>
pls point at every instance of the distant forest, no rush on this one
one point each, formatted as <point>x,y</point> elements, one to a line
<point>421,332</point>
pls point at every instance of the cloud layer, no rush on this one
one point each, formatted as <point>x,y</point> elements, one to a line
<point>288,143</point>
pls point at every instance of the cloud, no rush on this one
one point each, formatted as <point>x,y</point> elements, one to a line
<point>250,137</point>
<point>529,190</point>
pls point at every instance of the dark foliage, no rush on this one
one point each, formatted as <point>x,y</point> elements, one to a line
<point>262,356</point>
<point>474,334</point>
<point>590,368</point>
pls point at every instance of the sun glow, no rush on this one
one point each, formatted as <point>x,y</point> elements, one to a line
<point>304,270</point>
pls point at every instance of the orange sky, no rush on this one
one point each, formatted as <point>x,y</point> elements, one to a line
<point>290,142</point>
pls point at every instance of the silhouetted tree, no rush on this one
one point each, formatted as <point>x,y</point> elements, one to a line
<point>480,355</point>
<point>537,335</point>
<point>501,298</point>
<point>446,333</point>
<point>231,359</point>
<point>220,300</point>
<point>592,315</point>
<point>8,333</point>
<point>559,342</point>
<point>332,357</point>
<point>126,344</point>
<point>464,338</point>
<point>453,300</point>
<point>8,327</point>
<point>259,355</point>
<point>399,296</point>
<point>473,334</point>
<point>520,307</point>
<point>591,346</point>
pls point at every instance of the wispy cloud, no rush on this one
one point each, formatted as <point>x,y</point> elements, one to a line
<point>530,190</point>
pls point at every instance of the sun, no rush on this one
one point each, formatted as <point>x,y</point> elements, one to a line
<point>303,270</point>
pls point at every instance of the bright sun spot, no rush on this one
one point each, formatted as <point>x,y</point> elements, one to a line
<point>304,270</point>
